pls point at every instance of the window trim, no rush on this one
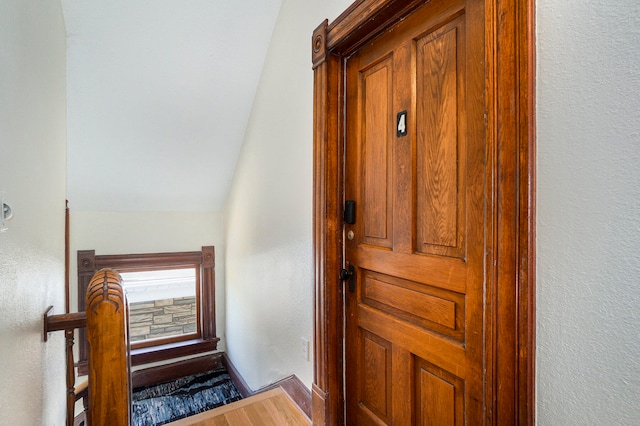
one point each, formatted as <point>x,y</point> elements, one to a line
<point>89,263</point>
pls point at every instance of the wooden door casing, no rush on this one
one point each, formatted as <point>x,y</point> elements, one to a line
<point>508,302</point>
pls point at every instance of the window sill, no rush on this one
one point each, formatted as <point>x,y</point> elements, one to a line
<point>164,352</point>
<point>172,350</point>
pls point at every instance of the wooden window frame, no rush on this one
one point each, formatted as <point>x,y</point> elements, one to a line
<point>177,337</point>
<point>205,341</point>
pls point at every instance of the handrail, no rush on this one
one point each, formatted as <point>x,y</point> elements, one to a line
<point>63,322</point>
<point>108,344</point>
<point>106,323</point>
<point>67,323</point>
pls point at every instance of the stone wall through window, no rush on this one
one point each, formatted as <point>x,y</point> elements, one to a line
<point>162,318</point>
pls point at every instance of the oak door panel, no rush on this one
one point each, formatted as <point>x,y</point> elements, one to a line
<point>376,87</point>
<point>439,396</point>
<point>414,321</point>
<point>440,141</point>
<point>374,391</point>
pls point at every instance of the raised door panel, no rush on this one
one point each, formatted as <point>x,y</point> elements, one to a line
<point>376,153</point>
<point>440,141</point>
<point>439,396</point>
<point>375,378</point>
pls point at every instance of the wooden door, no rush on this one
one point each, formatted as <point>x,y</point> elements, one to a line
<point>415,167</point>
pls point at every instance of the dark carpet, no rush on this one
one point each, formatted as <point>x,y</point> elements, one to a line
<point>167,402</point>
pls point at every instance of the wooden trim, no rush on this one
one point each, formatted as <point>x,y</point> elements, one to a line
<point>203,341</point>
<point>237,379</point>
<point>527,218</point>
<point>148,260</point>
<point>510,338</point>
<point>168,372</point>
<point>292,385</point>
<point>207,294</point>
<point>151,344</point>
<point>328,399</point>
<point>159,353</point>
<point>365,19</point>
<point>149,355</point>
<point>511,122</point>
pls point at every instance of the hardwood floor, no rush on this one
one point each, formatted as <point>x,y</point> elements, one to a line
<point>273,407</point>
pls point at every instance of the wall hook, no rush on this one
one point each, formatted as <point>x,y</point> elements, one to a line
<point>6,213</point>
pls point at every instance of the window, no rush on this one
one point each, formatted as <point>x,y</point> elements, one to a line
<point>171,300</point>
<point>163,305</point>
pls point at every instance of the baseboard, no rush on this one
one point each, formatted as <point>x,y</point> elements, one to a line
<point>292,385</point>
<point>237,379</point>
<point>168,372</point>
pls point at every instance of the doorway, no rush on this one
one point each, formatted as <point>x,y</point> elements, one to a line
<point>414,175</point>
<point>424,120</point>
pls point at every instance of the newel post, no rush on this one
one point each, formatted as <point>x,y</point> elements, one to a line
<point>108,341</point>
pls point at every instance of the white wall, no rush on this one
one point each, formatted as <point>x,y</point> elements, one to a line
<point>32,177</point>
<point>149,232</point>
<point>268,213</point>
<point>588,267</point>
<point>159,94</point>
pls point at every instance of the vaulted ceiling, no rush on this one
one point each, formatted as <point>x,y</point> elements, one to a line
<point>159,93</point>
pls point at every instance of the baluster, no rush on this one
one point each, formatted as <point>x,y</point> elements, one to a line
<point>71,377</point>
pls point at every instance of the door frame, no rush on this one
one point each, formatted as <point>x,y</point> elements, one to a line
<point>510,131</point>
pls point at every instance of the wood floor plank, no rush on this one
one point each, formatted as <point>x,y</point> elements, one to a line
<point>258,413</point>
<point>273,407</point>
<point>281,408</point>
<point>274,413</point>
<point>237,417</point>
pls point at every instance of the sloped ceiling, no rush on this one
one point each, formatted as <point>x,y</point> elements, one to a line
<point>159,93</point>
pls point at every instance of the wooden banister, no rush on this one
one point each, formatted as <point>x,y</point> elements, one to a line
<point>108,344</point>
<point>106,321</point>
<point>67,323</point>
<point>63,322</point>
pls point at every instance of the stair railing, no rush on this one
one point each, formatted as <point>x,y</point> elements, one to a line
<point>68,323</point>
<point>106,320</point>
<point>109,365</point>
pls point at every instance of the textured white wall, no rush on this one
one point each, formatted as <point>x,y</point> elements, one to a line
<point>149,232</point>
<point>588,279</point>
<point>268,214</point>
<point>32,177</point>
<point>160,93</point>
